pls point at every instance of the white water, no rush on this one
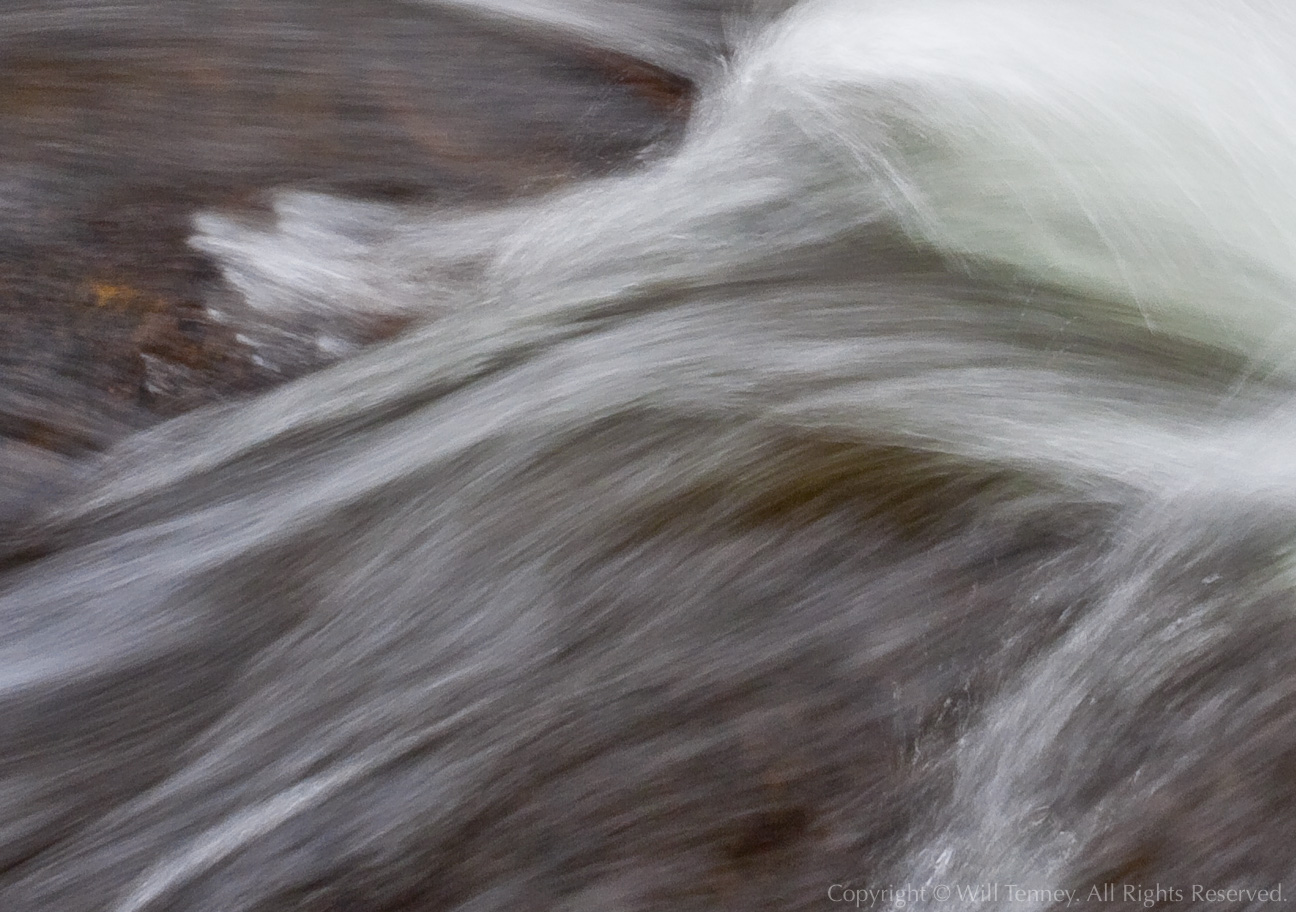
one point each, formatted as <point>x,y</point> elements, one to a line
<point>1016,275</point>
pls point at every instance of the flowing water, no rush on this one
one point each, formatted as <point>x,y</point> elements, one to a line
<point>874,488</point>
